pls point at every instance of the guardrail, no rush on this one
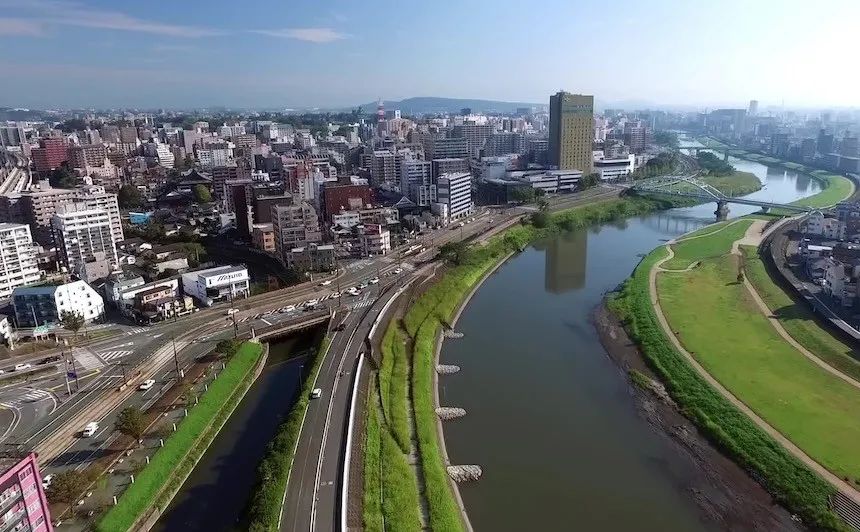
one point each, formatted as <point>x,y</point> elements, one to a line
<point>348,455</point>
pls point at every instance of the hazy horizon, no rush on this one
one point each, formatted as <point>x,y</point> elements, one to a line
<point>100,54</point>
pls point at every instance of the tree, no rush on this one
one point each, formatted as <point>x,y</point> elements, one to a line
<point>63,177</point>
<point>228,347</point>
<point>202,194</point>
<point>72,321</point>
<point>542,204</point>
<point>523,194</point>
<point>590,180</point>
<point>540,219</point>
<point>129,197</point>
<point>740,276</point>
<point>454,253</point>
<point>131,422</point>
<point>67,486</point>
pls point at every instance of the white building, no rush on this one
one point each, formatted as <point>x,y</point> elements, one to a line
<point>416,182</point>
<point>212,157</point>
<point>45,305</point>
<point>376,240</point>
<point>216,284</point>
<point>165,156</point>
<point>82,234</point>
<point>18,266</point>
<point>550,181</point>
<point>455,192</point>
<point>817,223</point>
<point>231,131</point>
<point>614,168</point>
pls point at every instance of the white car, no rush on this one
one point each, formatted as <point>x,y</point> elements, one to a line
<point>90,429</point>
<point>22,367</point>
<point>47,481</point>
<point>147,384</point>
<point>374,280</point>
<point>289,308</point>
<point>398,271</point>
<point>316,393</point>
<point>353,291</point>
<point>325,283</point>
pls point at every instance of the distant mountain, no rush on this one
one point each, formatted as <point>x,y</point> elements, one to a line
<point>431,105</point>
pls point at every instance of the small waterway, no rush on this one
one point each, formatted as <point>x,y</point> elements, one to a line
<point>550,417</point>
<point>216,494</point>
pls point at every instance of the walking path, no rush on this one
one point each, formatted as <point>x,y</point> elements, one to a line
<point>843,487</point>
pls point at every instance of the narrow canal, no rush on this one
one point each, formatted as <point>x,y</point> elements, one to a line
<point>550,416</point>
<point>216,494</point>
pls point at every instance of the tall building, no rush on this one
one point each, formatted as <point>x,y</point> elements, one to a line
<point>87,155</point>
<point>25,506</point>
<point>455,192</point>
<point>635,136</point>
<point>571,127</point>
<point>503,143</point>
<point>18,265</point>
<point>824,144</point>
<point>416,182</point>
<point>51,153</point>
<point>447,148</point>
<point>38,207</point>
<point>449,166</point>
<point>83,235</point>
<point>753,109</point>
<point>294,226</point>
<point>383,168</point>
<point>475,135</point>
<point>12,135</point>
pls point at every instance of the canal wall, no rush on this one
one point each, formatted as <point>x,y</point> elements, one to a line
<point>149,519</point>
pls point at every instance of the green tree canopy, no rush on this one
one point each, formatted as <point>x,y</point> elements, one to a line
<point>63,177</point>
<point>131,422</point>
<point>68,485</point>
<point>72,321</point>
<point>202,194</point>
<point>455,253</point>
<point>129,197</point>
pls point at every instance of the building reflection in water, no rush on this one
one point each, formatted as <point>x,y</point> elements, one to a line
<point>565,262</point>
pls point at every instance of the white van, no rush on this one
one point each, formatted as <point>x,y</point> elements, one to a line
<point>90,430</point>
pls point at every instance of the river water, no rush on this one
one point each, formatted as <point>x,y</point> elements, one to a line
<point>550,416</point>
<point>216,493</point>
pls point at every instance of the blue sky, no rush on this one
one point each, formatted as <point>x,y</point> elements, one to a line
<point>280,53</point>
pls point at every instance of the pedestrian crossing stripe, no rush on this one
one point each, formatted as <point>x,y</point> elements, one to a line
<point>361,304</point>
<point>110,355</point>
<point>136,330</point>
<point>29,397</point>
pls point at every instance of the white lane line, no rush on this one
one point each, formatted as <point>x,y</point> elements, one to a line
<point>266,321</point>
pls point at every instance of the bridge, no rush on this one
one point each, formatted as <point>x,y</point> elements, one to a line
<point>693,188</point>
<point>696,149</point>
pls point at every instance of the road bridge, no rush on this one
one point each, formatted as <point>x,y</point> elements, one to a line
<point>694,188</point>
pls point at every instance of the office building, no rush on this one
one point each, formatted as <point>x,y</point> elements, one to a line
<point>635,136</point>
<point>263,237</point>
<point>416,182</point>
<point>82,235</point>
<point>504,143</point>
<point>214,156</point>
<point>18,265</point>
<point>223,283</point>
<point>447,148</point>
<point>824,143</point>
<point>753,108</point>
<point>339,197</point>
<point>312,258</point>
<point>50,155</point>
<point>449,165</point>
<point>454,192</point>
<point>849,147</point>
<point>570,131</point>
<point>475,135</point>
<point>12,136</point>
<point>45,305</point>
<point>611,169</point>
<point>383,169</point>
<point>294,226</point>
<point>22,498</point>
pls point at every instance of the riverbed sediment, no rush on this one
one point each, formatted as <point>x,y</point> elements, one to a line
<point>726,495</point>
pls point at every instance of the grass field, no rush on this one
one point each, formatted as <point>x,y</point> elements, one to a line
<point>716,319</point>
<point>694,247</point>
<point>394,386</point>
<point>171,463</point>
<point>734,184</point>
<point>797,318</point>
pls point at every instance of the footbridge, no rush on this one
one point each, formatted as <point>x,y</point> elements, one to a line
<point>694,188</point>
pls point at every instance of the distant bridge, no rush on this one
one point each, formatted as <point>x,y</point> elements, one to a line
<point>692,187</point>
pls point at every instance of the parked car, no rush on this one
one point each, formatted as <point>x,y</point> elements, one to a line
<point>288,308</point>
<point>398,271</point>
<point>325,283</point>
<point>47,481</point>
<point>231,311</point>
<point>48,360</point>
<point>147,384</point>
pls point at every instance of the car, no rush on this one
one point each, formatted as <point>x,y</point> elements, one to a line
<point>310,303</point>
<point>48,360</point>
<point>363,285</point>
<point>147,384</point>
<point>90,429</point>
<point>288,308</point>
<point>374,280</point>
<point>22,367</point>
<point>325,283</point>
<point>398,271</point>
<point>316,393</point>
<point>340,327</point>
<point>353,291</point>
<point>461,224</point>
<point>46,481</point>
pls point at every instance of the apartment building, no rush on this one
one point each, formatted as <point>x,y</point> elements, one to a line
<point>454,192</point>
<point>39,206</point>
<point>45,305</point>
<point>18,264</point>
<point>294,226</point>
<point>82,235</point>
<point>25,507</point>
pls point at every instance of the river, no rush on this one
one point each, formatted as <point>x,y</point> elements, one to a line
<point>216,493</point>
<point>550,417</point>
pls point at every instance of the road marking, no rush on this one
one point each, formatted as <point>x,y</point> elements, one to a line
<point>136,330</point>
<point>267,322</point>
<point>86,359</point>
<point>120,345</point>
<point>110,355</point>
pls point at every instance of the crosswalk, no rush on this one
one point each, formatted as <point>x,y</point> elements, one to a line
<point>136,330</point>
<point>107,356</point>
<point>30,396</point>
<point>361,304</point>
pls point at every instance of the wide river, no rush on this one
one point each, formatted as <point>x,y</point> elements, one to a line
<point>550,416</point>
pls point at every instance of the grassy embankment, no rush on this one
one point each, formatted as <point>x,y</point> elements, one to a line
<point>698,246</point>
<point>797,318</point>
<point>734,184</point>
<point>273,472</point>
<point>422,323</point>
<point>737,345</point>
<point>169,466</point>
<point>791,483</point>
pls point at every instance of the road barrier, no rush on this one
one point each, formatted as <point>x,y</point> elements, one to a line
<point>348,454</point>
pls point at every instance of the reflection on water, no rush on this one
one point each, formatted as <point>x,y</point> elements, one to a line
<point>549,415</point>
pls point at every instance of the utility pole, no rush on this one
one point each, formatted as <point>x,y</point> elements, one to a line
<point>176,359</point>
<point>233,315</point>
<point>66,374</point>
<point>337,279</point>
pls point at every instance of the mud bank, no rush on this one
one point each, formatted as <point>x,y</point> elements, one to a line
<point>727,496</point>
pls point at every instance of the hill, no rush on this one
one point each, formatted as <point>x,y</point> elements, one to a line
<point>431,105</point>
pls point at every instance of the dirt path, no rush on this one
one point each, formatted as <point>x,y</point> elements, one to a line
<point>845,488</point>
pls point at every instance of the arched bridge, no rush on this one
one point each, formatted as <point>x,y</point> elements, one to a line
<point>694,188</point>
